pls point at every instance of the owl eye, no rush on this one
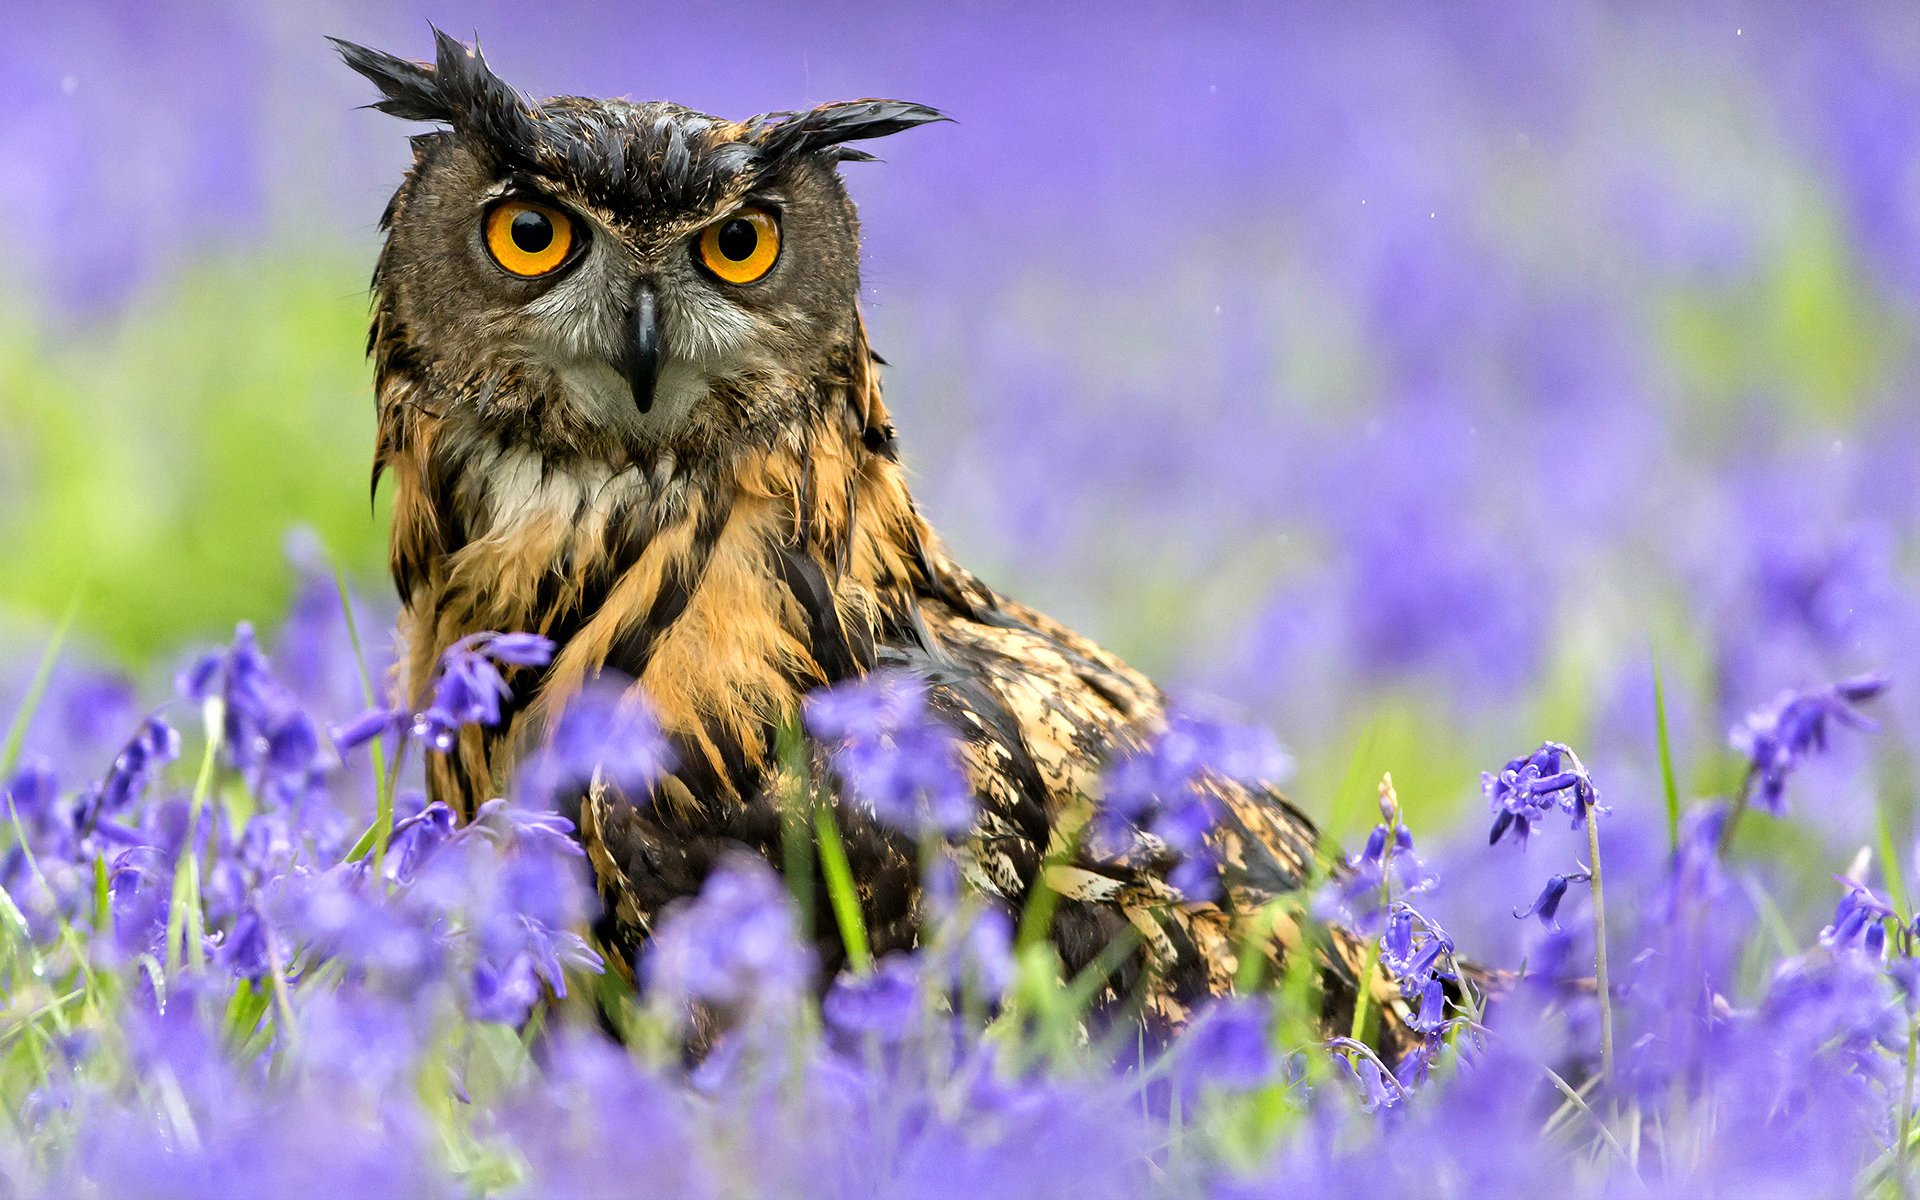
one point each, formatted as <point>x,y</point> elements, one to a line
<point>528,239</point>
<point>742,248</point>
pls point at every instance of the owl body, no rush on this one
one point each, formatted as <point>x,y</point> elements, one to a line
<point>684,473</point>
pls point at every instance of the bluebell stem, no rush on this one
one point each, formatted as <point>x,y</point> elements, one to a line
<point>1379,1088</point>
<point>1521,793</point>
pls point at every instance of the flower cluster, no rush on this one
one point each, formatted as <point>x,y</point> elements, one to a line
<point>1157,802</point>
<point>893,752</point>
<point>1777,739</point>
<point>1528,787</point>
<point>468,688</point>
<point>1386,869</point>
<point>266,970</point>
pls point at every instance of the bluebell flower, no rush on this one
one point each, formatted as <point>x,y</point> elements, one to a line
<point>885,1003</point>
<point>1859,921</point>
<point>398,944</point>
<point>360,1038</point>
<point>1778,738</point>
<point>971,951</point>
<point>33,791</point>
<point>1388,868</point>
<point>608,731</point>
<point>1530,786</point>
<point>154,746</point>
<point>1415,948</point>
<point>379,721</point>
<point>244,950</point>
<point>895,755</point>
<point>1378,1088</point>
<point>266,735</point>
<point>1546,905</point>
<point>512,881</point>
<point>1430,1016</point>
<point>574,1122</point>
<point>416,837</point>
<point>503,993</point>
<point>468,687</point>
<point>1154,804</point>
<point>1229,1046</point>
<point>735,946</point>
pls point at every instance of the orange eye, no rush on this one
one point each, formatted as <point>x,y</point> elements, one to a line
<point>528,239</point>
<point>741,248</point>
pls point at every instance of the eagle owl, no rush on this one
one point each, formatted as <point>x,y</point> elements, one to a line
<point>626,400</point>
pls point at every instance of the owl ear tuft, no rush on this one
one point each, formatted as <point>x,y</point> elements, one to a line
<point>409,88</point>
<point>832,124</point>
<point>458,88</point>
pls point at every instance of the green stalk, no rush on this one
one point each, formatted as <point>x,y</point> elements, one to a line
<point>796,847</point>
<point>1363,990</point>
<point>184,916</point>
<point>1904,1150</point>
<point>1600,946</point>
<point>840,891</point>
<point>1669,785</point>
<point>1890,868</point>
<point>67,934</point>
<point>1606,1135</point>
<point>1363,993</point>
<point>375,839</point>
<point>42,675</point>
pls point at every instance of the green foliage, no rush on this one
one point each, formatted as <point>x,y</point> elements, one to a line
<point>161,457</point>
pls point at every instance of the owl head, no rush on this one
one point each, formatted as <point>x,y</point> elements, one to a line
<point>608,275</point>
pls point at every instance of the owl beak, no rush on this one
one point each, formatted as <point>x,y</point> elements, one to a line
<point>643,349</point>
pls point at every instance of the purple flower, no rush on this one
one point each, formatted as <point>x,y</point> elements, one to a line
<point>972,952</point>
<point>153,747</point>
<point>894,753</point>
<point>735,946</point>
<point>358,731</point>
<point>339,914</point>
<point>469,687</point>
<point>605,731</point>
<point>1431,1015</point>
<point>1155,805</point>
<point>1377,1086</point>
<point>1546,905</point>
<point>415,838</point>
<point>1859,922</point>
<point>1526,788</point>
<point>1778,738</point>
<point>34,790</point>
<point>1415,949</point>
<point>1386,869</point>
<point>503,993</point>
<point>266,736</point>
<point>512,883</point>
<point>885,1003</point>
<point>1230,1046</point>
<point>244,951</point>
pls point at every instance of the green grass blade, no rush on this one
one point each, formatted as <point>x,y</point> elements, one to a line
<point>1890,869</point>
<point>796,846</point>
<point>36,690</point>
<point>376,837</point>
<point>1668,783</point>
<point>184,916</point>
<point>840,891</point>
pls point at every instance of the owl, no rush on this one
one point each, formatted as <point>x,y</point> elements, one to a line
<point>626,400</point>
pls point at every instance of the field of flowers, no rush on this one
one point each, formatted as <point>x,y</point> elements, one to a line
<point>1516,401</point>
